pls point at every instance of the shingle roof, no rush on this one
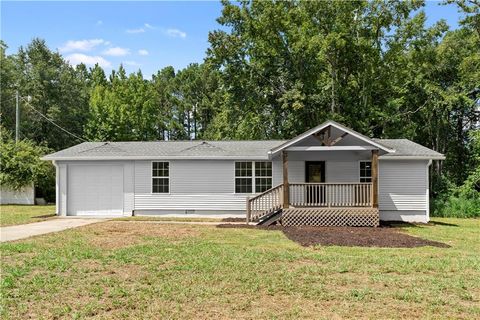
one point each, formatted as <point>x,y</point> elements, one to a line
<point>168,149</point>
<point>248,149</point>
<point>407,148</point>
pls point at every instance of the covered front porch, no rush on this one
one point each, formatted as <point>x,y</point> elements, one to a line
<point>349,197</point>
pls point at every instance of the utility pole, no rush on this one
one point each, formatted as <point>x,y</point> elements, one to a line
<point>17,118</point>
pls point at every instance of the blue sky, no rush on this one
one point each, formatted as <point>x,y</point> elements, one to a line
<point>141,35</point>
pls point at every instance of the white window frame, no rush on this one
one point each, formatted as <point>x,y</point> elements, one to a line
<point>360,171</point>
<point>152,177</point>
<point>253,177</point>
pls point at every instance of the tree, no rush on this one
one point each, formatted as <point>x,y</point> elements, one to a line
<point>124,109</point>
<point>287,66</point>
<point>197,97</point>
<point>49,85</point>
<point>21,164</point>
<point>8,87</point>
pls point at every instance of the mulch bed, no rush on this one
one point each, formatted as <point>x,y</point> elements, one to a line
<point>384,237</point>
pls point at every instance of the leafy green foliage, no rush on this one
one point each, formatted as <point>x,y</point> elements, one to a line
<point>124,109</point>
<point>21,164</point>
<point>462,201</point>
<point>46,82</point>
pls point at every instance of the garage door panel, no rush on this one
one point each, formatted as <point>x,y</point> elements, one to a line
<point>95,190</point>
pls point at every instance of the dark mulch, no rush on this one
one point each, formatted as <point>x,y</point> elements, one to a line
<point>384,237</point>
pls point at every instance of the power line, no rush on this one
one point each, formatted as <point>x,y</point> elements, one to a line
<point>52,122</point>
<point>6,100</point>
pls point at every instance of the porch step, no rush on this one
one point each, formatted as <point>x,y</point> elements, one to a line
<point>348,217</point>
<point>271,218</point>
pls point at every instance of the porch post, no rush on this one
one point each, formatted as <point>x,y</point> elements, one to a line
<point>286,188</point>
<point>375,178</point>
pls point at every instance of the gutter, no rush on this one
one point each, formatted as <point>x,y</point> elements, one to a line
<point>430,158</point>
<point>120,158</point>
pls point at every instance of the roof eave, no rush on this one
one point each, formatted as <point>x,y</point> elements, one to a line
<point>439,157</point>
<point>47,158</point>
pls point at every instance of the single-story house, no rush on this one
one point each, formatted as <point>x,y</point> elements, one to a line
<point>328,175</point>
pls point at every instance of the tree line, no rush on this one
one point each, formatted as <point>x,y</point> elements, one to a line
<point>276,69</point>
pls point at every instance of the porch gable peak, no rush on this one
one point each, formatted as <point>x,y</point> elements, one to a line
<point>323,133</point>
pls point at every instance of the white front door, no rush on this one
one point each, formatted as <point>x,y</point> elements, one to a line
<point>95,190</point>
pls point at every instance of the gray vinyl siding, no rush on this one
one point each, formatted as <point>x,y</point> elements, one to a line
<point>340,166</point>
<point>342,171</point>
<point>128,187</point>
<point>194,185</point>
<point>208,185</point>
<point>190,176</point>
<point>296,171</point>
<point>202,176</point>
<point>403,185</point>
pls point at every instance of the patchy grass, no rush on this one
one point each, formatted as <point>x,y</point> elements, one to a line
<point>20,214</point>
<point>141,270</point>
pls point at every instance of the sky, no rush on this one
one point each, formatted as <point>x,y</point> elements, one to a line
<point>140,35</point>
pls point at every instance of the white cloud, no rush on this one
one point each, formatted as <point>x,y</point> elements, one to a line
<point>116,52</point>
<point>139,30</point>
<point>77,58</point>
<point>175,33</point>
<point>99,22</point>
<point>143,52</point>
<point>149,26</point>
<point>131,63</point>
<point>81,45</point>
<point>142,29</point>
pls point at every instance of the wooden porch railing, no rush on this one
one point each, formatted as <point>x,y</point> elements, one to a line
<point>310,195</point>
<point>264,203</point>
<point>331,194</point>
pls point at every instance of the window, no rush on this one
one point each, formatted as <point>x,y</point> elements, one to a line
<point>365,171</point>
<point>263,176</point>
<point>251,176</point>
<point>243,177</point>
<point>160,177</point>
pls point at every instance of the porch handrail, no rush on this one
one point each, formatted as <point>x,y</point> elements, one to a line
<point>308,194</point>
<point>264,203</point>
<point>331,194</point>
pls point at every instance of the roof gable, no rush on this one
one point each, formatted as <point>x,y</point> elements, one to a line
<point>324,126</point>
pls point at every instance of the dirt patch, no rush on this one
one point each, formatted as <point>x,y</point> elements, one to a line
<point>117,234</point>
<point>384,237</point>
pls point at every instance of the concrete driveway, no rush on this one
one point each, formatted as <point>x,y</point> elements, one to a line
<point>11,233</point>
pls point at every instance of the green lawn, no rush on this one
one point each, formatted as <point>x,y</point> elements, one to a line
<point>20,214</point>
<point>134,270</point>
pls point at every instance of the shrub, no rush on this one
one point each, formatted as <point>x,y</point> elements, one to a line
<point>460,202</point>
<point>456,207</point>
<point>21,166</point>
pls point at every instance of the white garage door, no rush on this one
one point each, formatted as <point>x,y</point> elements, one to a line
<point>95,190</point>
